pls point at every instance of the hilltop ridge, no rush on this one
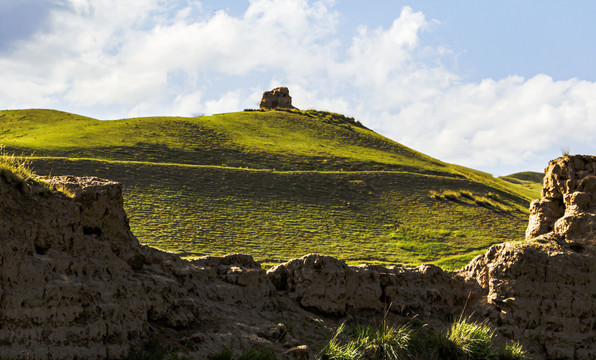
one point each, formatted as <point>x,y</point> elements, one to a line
<point>279,139</point>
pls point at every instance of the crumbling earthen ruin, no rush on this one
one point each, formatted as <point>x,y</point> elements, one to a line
<point>75,283</point>
<point>277,98</point>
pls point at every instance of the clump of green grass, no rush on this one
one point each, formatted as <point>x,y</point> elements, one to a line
<point>339,349</point>
<point>474,339</point>
<point>386,342</point>
<point>512,351</point>
<point>565,150</point>
<point>465,340</point>
<point>18,168</point>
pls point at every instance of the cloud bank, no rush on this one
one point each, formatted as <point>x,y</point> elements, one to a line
<point>114,59</point>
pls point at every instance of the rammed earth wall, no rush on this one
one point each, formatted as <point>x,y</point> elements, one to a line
<point>75,283</point>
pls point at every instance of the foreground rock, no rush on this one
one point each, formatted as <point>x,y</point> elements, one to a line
<point>325,284</point>
<point>543,291</point>
<point>75,283</point>
<point>567,210</point>
<point>542,295</point>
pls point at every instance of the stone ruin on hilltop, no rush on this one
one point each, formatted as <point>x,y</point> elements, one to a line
<point>75,282</point>
<point>277,98</point>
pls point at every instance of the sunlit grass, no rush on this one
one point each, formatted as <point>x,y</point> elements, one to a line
<point>464,340</point>
<point>278,185</point>
<point>17,170</point>
<point>15,166</point>
<point>374,217</point>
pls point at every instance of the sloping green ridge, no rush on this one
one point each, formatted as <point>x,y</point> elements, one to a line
<point>290,186</point>
<point>528,180</point>
<point>525,176</point>
<point>264,140</point>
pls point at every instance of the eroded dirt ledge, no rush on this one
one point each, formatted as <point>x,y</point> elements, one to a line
<point>75,283</point>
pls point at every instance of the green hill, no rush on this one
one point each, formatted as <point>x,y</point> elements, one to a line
<point>278,185</point>
<point>528,179</point>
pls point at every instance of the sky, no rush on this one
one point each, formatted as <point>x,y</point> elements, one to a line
<point>497,86</point>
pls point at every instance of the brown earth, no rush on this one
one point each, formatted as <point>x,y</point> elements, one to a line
<point>75,282</point>
<point>276,98</point>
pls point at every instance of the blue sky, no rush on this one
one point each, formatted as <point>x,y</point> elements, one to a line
<point>497,86</point>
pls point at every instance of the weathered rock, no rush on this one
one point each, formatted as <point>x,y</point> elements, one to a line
<point>542,295</point>
<point>275,333</point>
<point>543,292</point>
<point>276,98</point>
<point>567,209</point>
<point>301,352</point>
<point>328,285</point>
<point>75,283</point>
<point>543,215</point>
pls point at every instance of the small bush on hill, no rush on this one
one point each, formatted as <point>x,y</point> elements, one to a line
<point>325,116</point>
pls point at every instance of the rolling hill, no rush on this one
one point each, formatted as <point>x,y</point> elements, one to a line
<point>278,185</point>
<point>529,179</point>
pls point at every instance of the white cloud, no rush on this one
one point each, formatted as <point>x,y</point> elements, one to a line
<point>230,100</point>
<point>186,105</point>
<point>158,57</point>
<point>507,124</point>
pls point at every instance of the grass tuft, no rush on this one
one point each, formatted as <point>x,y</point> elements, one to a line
<point>465,340</point>
<point>512,351</point>
<point>565,150</point>
<point>386,342</point>
<point>474,339</point>
<point>18,168</point>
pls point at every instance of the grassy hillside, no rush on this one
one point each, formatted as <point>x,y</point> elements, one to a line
<point>528,179</point>
<point>278,185</point>
<point>282,140</point>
